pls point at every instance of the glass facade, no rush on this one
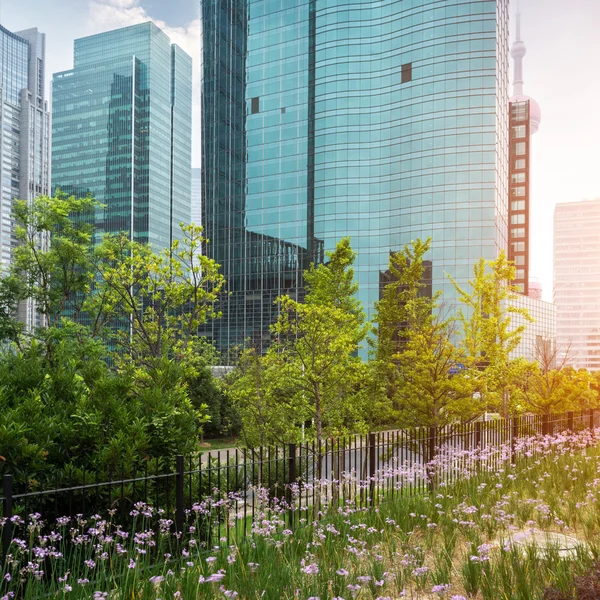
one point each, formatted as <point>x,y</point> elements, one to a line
<point>24,136</point>
<point>541,330</point>
<point>121,131</point>
<point>382,121</point>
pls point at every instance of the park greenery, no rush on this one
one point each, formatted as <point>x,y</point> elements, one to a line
<point>116,375</point>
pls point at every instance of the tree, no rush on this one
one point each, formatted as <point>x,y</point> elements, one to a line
<point>549,385</point>
<point>405,285</point>
<point>414,346</point>
<point>155,301</point>
<point>488,336</point>
<point>269,412</point>
<point>311,371</point>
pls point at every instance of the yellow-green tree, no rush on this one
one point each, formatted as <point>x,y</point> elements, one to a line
<point>414,347</point>
<point>549,385</point>
<point>487,332</point>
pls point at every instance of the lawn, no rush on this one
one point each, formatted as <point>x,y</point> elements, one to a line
<point>507,533</point>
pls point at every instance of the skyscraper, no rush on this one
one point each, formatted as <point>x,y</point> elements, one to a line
<point>121,131</point>
<point>577,281</point>
<point>380,121</point>
<point>525,116</point>
<point>24,141</point>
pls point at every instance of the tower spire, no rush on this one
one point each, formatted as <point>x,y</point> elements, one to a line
<point>518,51</point>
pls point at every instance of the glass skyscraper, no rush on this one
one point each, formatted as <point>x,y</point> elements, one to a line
<point>121,131</point>
<point>24,137</point>
<point>383,121</point>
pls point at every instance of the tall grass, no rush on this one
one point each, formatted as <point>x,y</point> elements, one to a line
<point>464,540</point>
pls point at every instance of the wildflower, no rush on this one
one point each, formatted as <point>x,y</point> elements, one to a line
<point>420,571</point>
<point>441,589</point>
<point>311,569</point>
<point>83,581</point>
<point>67,588</point>
<point>156,580</point>
<point>354,589</point>
<point>457,597</point>
<point>7,577</point>
<point>342,572</point>
<point>90,564</point>
<point>211,559</point>
<point>131,563</point>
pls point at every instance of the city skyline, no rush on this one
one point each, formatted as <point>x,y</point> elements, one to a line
<point>562,52</point>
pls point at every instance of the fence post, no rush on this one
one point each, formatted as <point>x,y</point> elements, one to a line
<point>478,434</point>
<point>291,481</point>
<point>179,494</point>
<point>545,425</point>
<point>372,467</point>
<point>432,445</point>
<point>7,495</point>
<point>513,438</point>
<point>570,424</point>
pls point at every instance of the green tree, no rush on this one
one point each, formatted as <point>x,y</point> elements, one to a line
<point>549,385</point>
<point>488,334</point>
<point>155,301</point>
<point>414,348</point>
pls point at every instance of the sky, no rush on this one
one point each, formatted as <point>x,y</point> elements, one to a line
<point>561,71</point>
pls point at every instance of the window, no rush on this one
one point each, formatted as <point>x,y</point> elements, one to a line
<point>518,190</point>
<point>518,177</point>
<point>519,131</point>
<point>283,110</point>
<point>255,105</point>
<point>406,72</point>
<point>518,219</point>
<point>517,232</point>
<point>520,274</point>
<point>520,148</point>
<point>520,163</point>
<point>517,205</point>
<point>518,246</point>
<point>519,260</point>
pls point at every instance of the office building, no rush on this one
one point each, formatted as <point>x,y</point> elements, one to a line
<point>525,116</point>
<point>577,281</point>
<point>24,136</point>
<point>121,131</point>
<point>383,121</point>
<point>539,333</point>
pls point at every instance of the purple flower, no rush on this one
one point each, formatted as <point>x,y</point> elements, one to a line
<point>311,569</point>
<point>342,572</point>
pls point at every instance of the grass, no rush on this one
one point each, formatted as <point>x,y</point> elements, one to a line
<point>218,444</point>
<point>459,541</point>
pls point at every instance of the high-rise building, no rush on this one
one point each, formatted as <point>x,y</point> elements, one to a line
<point>121,131</point>
<point>24,135</point>
<point>525,116</point>
<point>383,121</point>
<point>196,196</point>
<point>577,281</point>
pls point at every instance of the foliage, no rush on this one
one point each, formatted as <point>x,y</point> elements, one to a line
<point>488,335</point>
<point>414,351</point>
<point>64,405</point>
<point>550,385</point>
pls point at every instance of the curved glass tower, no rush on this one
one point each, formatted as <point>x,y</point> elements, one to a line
<point>381,120</point>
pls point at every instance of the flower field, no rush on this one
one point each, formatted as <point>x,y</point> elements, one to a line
<point>508,529</point>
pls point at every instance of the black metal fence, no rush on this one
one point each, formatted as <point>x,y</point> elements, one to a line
<point>357,470</point>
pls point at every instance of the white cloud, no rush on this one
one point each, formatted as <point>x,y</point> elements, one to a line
<point>105,15</point>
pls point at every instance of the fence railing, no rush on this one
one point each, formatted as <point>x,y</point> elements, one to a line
<point>359,470</point>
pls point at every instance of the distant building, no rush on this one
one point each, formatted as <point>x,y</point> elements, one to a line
<point>524,121</point>
<point>24,136</point>
<point>121,131</point>
<point>196,196</point>
<point>535,289</point>
<point>542,330</point>
<point>577,281</point>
